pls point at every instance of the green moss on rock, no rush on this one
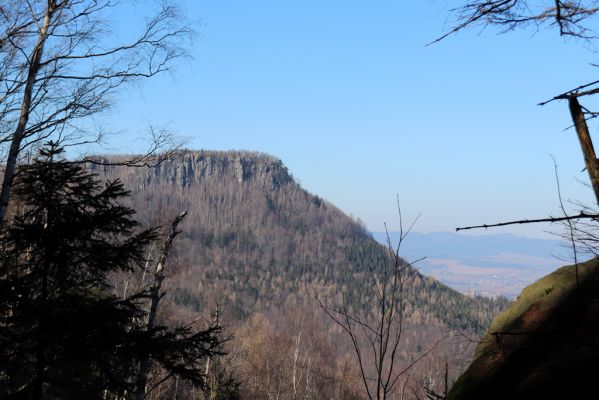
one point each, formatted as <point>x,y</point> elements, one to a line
<point>545,345</point>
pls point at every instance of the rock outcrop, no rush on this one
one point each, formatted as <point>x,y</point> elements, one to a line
<point>188,167</point>
<point>544,346</point>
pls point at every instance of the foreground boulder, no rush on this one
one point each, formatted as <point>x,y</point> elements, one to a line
<point>544,346</point>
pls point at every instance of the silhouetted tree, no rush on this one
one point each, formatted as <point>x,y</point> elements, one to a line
<point>63,333</point>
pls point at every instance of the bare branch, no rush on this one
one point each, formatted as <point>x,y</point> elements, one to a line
<point>55,71</point>
<point>571,18</point>
<point>581,215</point>
<point>376,338</point>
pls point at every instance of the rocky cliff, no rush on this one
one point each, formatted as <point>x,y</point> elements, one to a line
<point>186,168</point>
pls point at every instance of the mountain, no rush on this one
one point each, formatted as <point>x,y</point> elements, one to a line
<point>257,244</point>
<point>495,264</point>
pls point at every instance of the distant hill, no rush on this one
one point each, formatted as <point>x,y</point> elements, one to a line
<point>495,264</point>
<point>256,242</point>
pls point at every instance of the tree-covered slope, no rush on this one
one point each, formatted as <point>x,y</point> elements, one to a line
<point>255,242</point>
<point>255,237</point>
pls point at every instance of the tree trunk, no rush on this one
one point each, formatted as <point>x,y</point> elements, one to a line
<point>586,144</point>
<point>144,365</point>
<point>19,134</point>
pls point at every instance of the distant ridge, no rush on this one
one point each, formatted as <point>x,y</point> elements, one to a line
<point>488,264</point>
<point>456,245</point>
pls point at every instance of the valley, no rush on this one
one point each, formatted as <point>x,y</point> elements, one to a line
<point>490,265</point>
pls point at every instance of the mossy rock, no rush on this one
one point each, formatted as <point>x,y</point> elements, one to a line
<point>545,345</point>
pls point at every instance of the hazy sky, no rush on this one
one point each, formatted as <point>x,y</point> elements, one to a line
<point>349,97</point>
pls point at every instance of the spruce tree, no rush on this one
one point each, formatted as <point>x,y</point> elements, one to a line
<point>63,333</point>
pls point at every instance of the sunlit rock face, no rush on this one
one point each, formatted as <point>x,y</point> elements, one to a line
<point>544,346</point>
<point>185,168</point>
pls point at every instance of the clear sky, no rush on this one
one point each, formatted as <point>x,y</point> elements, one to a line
<point>349,97</point>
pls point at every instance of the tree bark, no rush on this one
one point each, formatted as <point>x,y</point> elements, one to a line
<point>19,134</point>
<point>586,144</point>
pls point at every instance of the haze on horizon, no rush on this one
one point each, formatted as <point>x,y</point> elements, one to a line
<point>360,110</point>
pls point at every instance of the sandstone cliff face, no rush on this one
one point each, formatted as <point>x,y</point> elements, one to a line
<point>544,346</point>
<point>195,167</point>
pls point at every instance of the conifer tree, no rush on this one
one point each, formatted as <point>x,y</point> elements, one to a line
<point>63,333</point>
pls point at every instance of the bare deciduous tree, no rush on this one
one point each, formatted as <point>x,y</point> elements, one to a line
<point>57,70</point>
<point>376,338</point>
<point>155,297</point>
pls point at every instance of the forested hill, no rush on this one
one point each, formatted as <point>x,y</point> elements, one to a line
<point>255,241</point>
<point>261,247</point>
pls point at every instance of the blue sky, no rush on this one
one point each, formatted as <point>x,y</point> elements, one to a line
<point>349,97</point>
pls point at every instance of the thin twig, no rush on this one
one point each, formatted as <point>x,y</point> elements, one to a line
<point>569,222</point>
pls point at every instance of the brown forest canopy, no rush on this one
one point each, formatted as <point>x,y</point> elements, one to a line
<point>262,247</point>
